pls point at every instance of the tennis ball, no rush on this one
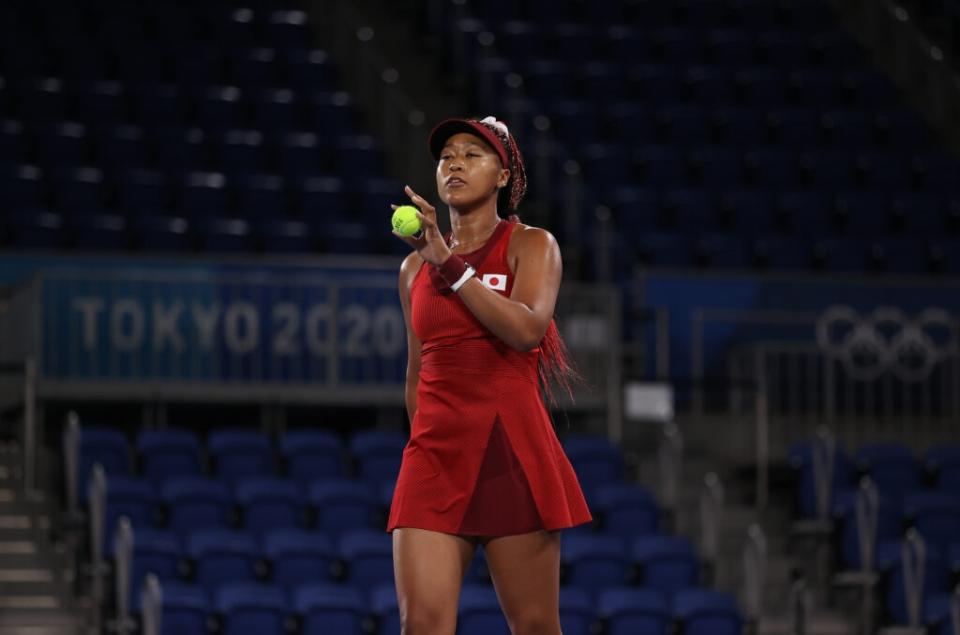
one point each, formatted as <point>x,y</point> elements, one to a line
<point>405,221</point>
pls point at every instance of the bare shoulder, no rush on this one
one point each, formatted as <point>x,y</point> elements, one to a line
<point>532,239</point>
<point>409,267</point>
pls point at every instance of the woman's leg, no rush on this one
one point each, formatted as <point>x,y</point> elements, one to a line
<point>428,568</point>
<point>526,574</point>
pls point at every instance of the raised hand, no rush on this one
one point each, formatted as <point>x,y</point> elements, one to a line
<point>428,241</point>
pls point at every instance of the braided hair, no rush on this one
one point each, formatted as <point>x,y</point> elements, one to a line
<point>512,194</point>
<point>555,365</point>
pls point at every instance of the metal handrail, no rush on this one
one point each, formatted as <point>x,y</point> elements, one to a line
<point>799,603</point>
<point>754,571</point>
<point>867,510</point>
<point>913,555</point>
<point>71,461</point>
<point>670,455</point>
<point>122,563</point>
<point>823,456</point>
<point>30,426</point>
<point>151,602</point>
<point>96,503</point>
<point>711,516</point>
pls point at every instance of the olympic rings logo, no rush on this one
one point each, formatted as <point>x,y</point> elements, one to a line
<point>886,340</point>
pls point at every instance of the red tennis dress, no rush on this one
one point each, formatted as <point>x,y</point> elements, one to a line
<point>483,458</point>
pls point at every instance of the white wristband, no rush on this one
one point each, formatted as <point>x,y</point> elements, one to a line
<point>469,273</point>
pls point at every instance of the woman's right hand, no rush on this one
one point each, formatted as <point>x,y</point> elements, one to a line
<point>429,242</point>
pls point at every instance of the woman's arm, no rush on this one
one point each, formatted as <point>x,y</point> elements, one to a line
<point>408,270</point>
<point>522,319</point>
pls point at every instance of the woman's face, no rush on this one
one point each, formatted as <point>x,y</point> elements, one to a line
<point>469,171</point>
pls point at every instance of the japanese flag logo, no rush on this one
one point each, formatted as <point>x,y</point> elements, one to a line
<point>495,281</point>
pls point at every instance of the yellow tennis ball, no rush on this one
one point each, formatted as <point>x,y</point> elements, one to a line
<point>405,221</point>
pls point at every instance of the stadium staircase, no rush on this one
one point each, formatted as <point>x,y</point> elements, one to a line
<point>36,580</point>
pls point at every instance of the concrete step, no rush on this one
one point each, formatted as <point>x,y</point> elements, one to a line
<point>817,624</point>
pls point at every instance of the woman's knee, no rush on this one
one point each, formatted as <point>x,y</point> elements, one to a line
<point>535,622</point>
<point>425,618</point>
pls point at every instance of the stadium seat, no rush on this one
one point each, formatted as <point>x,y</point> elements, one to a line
<point>943,462</point>
<point>169,452</point>
<point>222,555</point>
<point>625,510</point>
<point>377,454</point>
<point>185,609</point>
<point>327,608</point>
<point>106,446</point>
<point>594,561</point>
<point>480,612</point>
<point>193,502</point>
<point>706,612</point>
<point>633,611</point>
<point>668,563</point>
<point>269,503</point>
<point>237,452</point>
<point>889,527</point>
<point>155,552</point>
<point>297,556</point>
<point>595,459</point>
<point>251,609</point>
<point>367,555</point>
<point>383,603</point>
<point>311,455</point>
<point>936,515</point>
<point>891,466</point>
<point>342,504</point>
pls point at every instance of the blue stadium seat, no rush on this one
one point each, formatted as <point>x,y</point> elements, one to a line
<point>738,126</point>
<point>44,99</point>
<point>367,555</point>
<point>718,166</point>
<point>169,452</point>
<point>665,250</point>
<point>801,461</point>
<point>919,213</point>
<point>193,502</point>
<point>762,86</point>
<point>269,503</point>
<point>106,446</point>
<point>287,236</point>
<point>935,580</point>
<point>297,556</point>
<point>250,67</point>
<point>157,552</point>
<point>79,189</point>
<point>128,496</point>
<point>276,110</point>
<point>904,254</point>
<point>688,125</point>
<point>625,510</point>
<point>480,612</point>
<point>773,167</point>
<point>751,211</point>
<point>222,555</point>
<point>577,612</point>
<point>329,608</point>
<point>159,104</point>
<point>35,228</point>
<point>889,526</point>
<point>220,108</point>
<point>301,154</point>
<point>203,195</point>
<point>706,612</point>
<point>782,253</point>
<point>180,151</point>
<point>808,213</point>
<point>596,460</point>
<point>668,563</point>
<point>891,466</point>
<point>103,101</point>
<point>163,233</point>
<point>692,210</point>
<point>384,606</point>
<point>943,462</point>
<point>633,611</point>
<point>261,196</point>
<point>377,454</point>
<point>594,561</point>
<point>311,454</point>
<point>864,213</point>
<point>121,145</point>
<point>241,151</point>
<point>185,609</point>
<point>251,609</point>
<point>342,504</point>
<point>936,515</point>
<point>62,143</point>
<point>884,169</point>
<point>238,452</point>
<point>662,166</point>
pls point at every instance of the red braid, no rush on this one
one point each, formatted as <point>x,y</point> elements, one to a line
<point>555,365</point>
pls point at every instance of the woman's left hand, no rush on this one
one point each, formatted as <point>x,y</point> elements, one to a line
<point>429,242</point>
